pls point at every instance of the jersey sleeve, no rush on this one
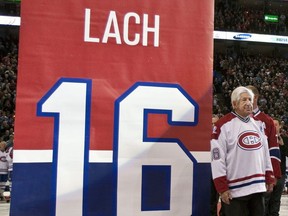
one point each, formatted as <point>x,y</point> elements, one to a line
<point>218,164</point>
<point>269,174</point>
<point>274,149</point>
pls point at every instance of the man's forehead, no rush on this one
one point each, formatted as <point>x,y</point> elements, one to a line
<point>245,95</point>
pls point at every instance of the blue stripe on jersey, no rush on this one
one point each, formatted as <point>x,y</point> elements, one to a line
<point>275,152</point>
<point>247,184</point>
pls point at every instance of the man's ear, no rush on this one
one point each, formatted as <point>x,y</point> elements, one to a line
<point>234,104</point>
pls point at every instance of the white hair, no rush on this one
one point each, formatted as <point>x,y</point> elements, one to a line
<point>235,96</point>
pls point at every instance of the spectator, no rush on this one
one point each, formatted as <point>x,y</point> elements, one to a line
<point>273,203</point>
<point>270,131</point>
<point>9,158</point>
<point>3,167</point>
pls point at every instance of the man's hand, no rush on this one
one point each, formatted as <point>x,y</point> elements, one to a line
<point>269,187</point>
<point>226,197</point>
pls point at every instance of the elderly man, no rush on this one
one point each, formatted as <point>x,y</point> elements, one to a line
<point>241,166</point>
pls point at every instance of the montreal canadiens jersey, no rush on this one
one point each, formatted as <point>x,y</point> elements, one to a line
<point>3,163</point>
<point>240,156</point>
<point>273,145</point>
<point>9,158</point>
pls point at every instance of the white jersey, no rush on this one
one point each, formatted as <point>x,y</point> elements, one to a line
<point>9,158</point>
<point>3,163</point>
<point>240,156</point>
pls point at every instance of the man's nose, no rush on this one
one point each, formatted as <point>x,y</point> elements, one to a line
<point>248,102</point>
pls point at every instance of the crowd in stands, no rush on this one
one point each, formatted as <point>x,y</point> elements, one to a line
<point>8,80</point>
<point>268,74</point>
<point>10,8</point>
<point>236,17</point>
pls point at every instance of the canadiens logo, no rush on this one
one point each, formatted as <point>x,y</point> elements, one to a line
<point>249,140</point>
<point>3,159</point>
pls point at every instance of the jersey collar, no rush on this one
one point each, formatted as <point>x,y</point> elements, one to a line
<point>244,119</point>
<point>256,111</point>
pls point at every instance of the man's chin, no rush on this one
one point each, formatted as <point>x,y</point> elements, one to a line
<point>248,113</point>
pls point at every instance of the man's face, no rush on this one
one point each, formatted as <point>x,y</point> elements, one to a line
<point>277,125</point>
<point>244,106</point>
<point>2,146</point>
<point>214,120</point>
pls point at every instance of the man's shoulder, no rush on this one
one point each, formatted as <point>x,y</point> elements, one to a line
<point>227,117</point>
<point>262,116</point>
<point>220,124</point>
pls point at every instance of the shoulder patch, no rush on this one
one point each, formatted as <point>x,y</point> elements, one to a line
<point>215,154</point>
